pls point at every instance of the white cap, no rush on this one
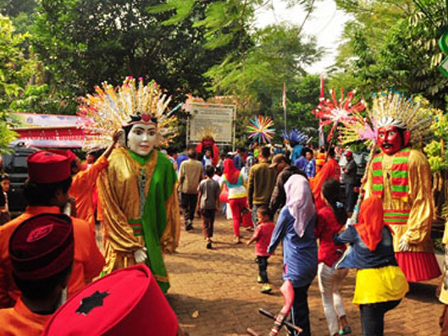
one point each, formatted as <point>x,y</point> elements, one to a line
<point>388,121</point>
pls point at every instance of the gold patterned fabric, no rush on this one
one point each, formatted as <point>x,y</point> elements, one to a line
<point>419,203</point>
<point>119,195</point>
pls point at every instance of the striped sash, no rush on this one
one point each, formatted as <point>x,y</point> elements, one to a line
<point>400,174</point>
<point>396,217</point>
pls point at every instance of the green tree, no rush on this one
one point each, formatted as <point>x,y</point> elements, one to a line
<point>15,70</point>
<point>20,12</point>
<point>83,43</point>
<point>262,61</point>
<point>392,44</point>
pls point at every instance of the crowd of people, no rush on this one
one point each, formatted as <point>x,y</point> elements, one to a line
<point>275,188</point>
<point>55,280</point>
<point>301,204</point>
<point>301,207</point>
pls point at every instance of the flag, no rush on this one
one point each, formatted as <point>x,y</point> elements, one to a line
<point>321,136</point>
<point>284,96</point>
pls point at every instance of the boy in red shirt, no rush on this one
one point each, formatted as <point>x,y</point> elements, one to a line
<point>262,237</point>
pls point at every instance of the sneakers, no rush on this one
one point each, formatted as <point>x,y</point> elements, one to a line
<point>189,225</point>
<point>345,330</point>
<point>209,245</point>
<point>266,288</point>
<point>259,279</point>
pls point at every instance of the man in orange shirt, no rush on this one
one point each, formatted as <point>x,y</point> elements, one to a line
<point>41,251</point>
<point>84,182</point>
<point>331,169</point>
<point>46,191</point>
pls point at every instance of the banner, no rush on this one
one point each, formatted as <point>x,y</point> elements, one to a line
<point>34,120</point>
<point>211,118</point>
<point>69,137</point>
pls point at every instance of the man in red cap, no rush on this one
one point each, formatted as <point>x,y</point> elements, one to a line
<point>46,191</point>
<point>41,250</point>
<point>108,307</point>
<point>84,183</point>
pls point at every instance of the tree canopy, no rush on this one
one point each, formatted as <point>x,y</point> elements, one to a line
<point>393,43</point>
<point>52,52</point>
<point>201,48</point>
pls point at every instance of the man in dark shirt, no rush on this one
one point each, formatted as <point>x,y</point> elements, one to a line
<point>285,171</point>
<point>261,183</point>
<point>350,181</point>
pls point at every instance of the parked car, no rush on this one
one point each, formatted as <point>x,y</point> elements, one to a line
<point>14,164</point>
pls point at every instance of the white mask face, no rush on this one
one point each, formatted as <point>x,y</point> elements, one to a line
<point>142,138</point>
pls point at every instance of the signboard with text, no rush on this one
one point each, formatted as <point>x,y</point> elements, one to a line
<point>216,117</point>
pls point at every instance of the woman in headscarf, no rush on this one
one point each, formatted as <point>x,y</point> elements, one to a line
<point>380,284</point>
<point>235,182</point>
<point>249,163</point>
<point>295,227</point>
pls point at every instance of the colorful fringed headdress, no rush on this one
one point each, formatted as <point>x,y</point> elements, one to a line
<point>359,128</point>
<point>388,109</point>
<point>394,109</point>
<point>110,109</point>
<point>261,129</point>
<point>295,136</point>
<point>208,132</point>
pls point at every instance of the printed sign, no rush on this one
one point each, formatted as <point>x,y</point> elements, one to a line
<point>211,118</point>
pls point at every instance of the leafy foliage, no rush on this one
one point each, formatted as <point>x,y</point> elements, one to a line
<point>15,70</point>
<point>437,155</point>
<point>393,43</point>
<point>86,42</point>
<point>199,47</point>
<point>259,61</point>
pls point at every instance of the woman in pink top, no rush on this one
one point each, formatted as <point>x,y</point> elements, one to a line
<point>262,237</point>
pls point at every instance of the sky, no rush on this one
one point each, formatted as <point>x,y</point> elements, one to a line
<point>326,23</point>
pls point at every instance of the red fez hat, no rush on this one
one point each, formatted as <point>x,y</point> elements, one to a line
<point>125,302</point>
<point>50,166</point>
<point>42,246</point>
<point>348,153</point>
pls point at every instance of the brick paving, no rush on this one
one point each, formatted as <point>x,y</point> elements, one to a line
<point>214,292</point>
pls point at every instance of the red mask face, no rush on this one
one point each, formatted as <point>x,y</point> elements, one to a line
<point>390,139</point>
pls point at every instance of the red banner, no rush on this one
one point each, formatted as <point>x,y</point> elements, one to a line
<point>69,137</point>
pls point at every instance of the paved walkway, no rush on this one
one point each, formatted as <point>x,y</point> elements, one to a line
<point>214,292</point>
